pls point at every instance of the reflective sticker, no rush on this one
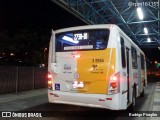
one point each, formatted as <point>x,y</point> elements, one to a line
<point>57,86</point>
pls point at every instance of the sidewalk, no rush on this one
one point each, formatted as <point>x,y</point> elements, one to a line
<point>23,94</point>
<point>22,100</point>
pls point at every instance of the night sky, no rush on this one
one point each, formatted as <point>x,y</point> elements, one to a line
<point>25,28</point>
<point>36,13</point>
<point>37,17</point>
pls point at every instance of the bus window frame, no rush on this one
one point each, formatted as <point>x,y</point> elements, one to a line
<point>82,30</point>
<point>142,62</point>
<point>123,55</point>
<point>134,57</point>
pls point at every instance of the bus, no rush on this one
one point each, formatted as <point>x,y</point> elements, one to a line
<point>95,66</point>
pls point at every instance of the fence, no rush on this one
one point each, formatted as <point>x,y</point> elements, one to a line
<point>14,79</point>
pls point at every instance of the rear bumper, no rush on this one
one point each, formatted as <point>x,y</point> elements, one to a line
<point>90,100</point>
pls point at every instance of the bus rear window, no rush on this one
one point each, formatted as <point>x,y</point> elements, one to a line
<point>82,40</point>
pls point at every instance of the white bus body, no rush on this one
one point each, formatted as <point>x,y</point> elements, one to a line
<point>96,66</point>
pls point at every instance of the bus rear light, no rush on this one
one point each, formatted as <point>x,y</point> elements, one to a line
<point>114,83</point>
<point>49,76</point>
<point>76,56</point>
<point>114,78</point>
<point>49,81</point>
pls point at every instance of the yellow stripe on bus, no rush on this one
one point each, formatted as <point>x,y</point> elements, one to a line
<point>94,69</point>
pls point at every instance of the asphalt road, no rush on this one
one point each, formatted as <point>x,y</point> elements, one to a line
<point>65,112</point>
<point>70,112</point>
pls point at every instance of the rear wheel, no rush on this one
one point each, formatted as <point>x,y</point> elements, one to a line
<point>143,92</point>
<point>134,99</point>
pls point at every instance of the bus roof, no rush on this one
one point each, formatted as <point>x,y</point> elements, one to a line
<point>85,27</point>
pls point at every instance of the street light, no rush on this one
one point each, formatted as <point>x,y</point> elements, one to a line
<point>148,39</point>
<point>145,30</point>
<point>140,13</point>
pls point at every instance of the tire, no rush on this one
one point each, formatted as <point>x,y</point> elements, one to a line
<point>133,106</point>
<point>143,92</point>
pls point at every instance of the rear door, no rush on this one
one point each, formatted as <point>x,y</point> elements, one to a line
<point>123,80</point>
<point>139,75</point>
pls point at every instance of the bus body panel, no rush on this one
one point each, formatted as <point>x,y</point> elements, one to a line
<point>91,70</point>
<point>90,100</point>
<point>95,69</point>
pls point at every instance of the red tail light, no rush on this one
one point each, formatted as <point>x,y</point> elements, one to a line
<point>50,78</point>
<point>114,83</point>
